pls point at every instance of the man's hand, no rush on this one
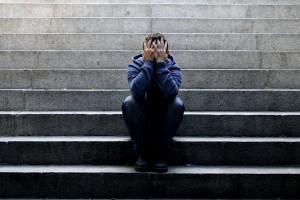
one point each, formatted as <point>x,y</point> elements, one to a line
<point>160,49</point>
<point>148,52</point>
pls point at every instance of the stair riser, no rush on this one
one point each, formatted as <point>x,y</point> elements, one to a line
<point>276,2</point>
<point>264,42</point>
<point>285,2</point>
<point>146,25</point>
<point>147,10</point>
<point>120,59</point>
<point>229,11</point>
<point>182,153</point>
<point>113,125</point>
<point>117,79</point>
<point>120,185</point>
<point>109,100</point>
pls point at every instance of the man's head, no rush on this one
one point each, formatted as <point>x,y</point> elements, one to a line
<point>154,37</point>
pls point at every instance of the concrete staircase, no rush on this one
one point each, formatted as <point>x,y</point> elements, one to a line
<point>63,78</point>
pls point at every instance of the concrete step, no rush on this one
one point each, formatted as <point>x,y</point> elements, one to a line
<point>149,10</point>
<point>238,41</point>
<point>103,150</point>
<point>268,2</point>
<point>146,25</point>
<point>271,2</point>
<point>85,181</point>
<point>111,100</point>
<point>197,59</point>
<point>117,79</point>
<point>228,124</point>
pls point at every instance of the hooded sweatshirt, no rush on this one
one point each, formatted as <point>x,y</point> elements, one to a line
<point>156,81</point>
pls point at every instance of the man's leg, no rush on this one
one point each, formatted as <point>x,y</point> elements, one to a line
<point>136,121</point>
<point>134,116</point>
<point>169,120</point>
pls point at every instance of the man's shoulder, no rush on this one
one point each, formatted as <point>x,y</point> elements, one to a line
<point>172,62</point>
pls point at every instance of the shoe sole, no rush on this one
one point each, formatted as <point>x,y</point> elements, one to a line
<point>160,170</point>
<point>142,169</point>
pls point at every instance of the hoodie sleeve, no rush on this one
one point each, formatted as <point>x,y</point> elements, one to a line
<point>139,78</point>
<point>168,80</point>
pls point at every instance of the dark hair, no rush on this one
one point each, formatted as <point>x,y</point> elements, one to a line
<point>154,37</point>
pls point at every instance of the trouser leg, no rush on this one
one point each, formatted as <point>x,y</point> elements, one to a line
<point>134,116</point>
<point>170,118</point>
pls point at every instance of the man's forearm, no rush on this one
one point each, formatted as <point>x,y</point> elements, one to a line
<point>168,81</point>
<point>140,81</point>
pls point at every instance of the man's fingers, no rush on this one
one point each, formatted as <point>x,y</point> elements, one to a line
<point>149,43</point>
<point>158,43</point>
<point>162,42</point>
<point>166,44</point>
<point>154,45</point>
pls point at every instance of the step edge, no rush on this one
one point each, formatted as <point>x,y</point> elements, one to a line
<point>89,169</point>
<point>126,139</point>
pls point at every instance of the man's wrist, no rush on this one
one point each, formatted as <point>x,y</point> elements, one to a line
<point>149,62</point>
<point>160,60</point>
<point>149,59</point>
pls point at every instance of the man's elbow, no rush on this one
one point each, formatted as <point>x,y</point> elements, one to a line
<point>171,94</point>
<point>136,93</point>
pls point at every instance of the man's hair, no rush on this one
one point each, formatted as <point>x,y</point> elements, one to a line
<point>154,37</point>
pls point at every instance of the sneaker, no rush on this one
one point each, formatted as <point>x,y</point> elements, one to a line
<point>142,165</point>
<point>160,166</point>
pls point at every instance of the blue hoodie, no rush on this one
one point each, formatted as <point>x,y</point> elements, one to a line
<point>157,81</point>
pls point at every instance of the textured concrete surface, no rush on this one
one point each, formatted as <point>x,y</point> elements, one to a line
<point>149,10</point>
<point>75,25</point>
<point>264,42</point>
<point>117,79</point>
<point>225,11</point>
<point>250,124</point>
<point>89,79</point>
<point>271,2</point>
<point>241,100</point>
<point>104,182</point>
<point>198,59</point>
<point>11,100</point>
<point>15,79</point>
<point>184,151</point>
<point>221,47</point>
<point>74,10</point>
<point>273,42</point>
<point>195,100</point>
<point>146,25</point>
<point>132,41</point>
<point>237,79</point>
<point>110,100</point>
<point>285,2</point>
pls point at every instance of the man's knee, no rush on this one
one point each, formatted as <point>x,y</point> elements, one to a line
<point>177,104</point>
<point>131,104</point>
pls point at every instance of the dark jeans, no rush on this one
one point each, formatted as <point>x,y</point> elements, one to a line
<point>152,124</point>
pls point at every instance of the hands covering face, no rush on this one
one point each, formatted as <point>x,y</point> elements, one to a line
<point>155,50</point>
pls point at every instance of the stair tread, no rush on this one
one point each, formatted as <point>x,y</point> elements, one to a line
<point>130,169</point>
<point>120,112</point>
<point>111,90</point>
<point>127,139</point>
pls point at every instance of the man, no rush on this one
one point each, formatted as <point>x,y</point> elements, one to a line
<point>153,112</point>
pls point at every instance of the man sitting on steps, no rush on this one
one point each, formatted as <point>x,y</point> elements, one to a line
<point>153,112</point>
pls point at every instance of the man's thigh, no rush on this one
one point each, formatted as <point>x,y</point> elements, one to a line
<point>152,116</point>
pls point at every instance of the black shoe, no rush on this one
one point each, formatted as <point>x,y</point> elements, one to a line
<point>160,166</point>
<point>142,165</point>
